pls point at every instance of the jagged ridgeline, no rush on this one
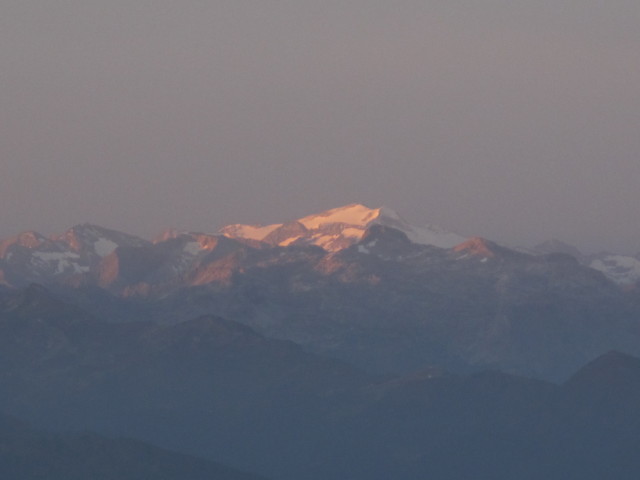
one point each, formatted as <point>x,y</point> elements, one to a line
<point>353,283</point>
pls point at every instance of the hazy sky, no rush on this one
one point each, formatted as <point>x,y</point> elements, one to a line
<point>515,120</point>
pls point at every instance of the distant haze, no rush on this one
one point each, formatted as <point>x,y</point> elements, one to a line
<point>514,120</point>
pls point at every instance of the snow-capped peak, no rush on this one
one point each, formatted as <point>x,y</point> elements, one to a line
<point>425,235</point>
<point>341,227</point>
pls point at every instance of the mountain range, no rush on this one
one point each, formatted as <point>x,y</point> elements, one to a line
<point>353,283</point>
<point>85,252</point>
<point>347,344</point>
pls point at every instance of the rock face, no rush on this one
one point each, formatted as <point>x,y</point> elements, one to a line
<point>73,256</point>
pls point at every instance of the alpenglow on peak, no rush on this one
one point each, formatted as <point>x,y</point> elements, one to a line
<point>340,228</point>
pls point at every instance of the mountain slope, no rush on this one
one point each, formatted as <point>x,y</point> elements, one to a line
<point>214,388</point>
<point>30,257</point>
<point>387,304</point>
<point>208,386</point>
<point>30,455</point>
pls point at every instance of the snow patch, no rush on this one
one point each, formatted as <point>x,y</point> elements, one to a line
<point>355,214</point>
<point>324,240</point>
<point>289,241</point>
<point>363,249</point>
<point>390,214</point>
<point>250,232</point>
<point>431,235</point>
<point>104,247</point>
<point>192,248</point>
<point>54,256</point>
<point>64,261</point>
<point>351,232</point>
<point>619,268</point>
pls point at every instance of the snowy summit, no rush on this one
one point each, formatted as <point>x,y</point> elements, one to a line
<point>339,228</point>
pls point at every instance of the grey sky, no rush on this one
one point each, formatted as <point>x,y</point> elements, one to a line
<point>515,120</point>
